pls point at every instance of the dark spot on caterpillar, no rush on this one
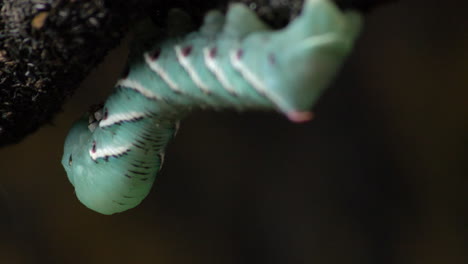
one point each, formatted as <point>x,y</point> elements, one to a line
<point>106,158</point>
<point>158,143</point>
<point>176,92</point>
<point>134,119</point>
<point>147,138</point>
<point>213,52</point>
<point>139,166</point>
<point>127,197</point>
<point>138,172</point>
<point>70,160</point>
<point>207,92</point>
<point>128,176</point>
<point>119,203</point>
<point>150,139</point>
<point>93,149</point>
<point>158,146</point>
<point>143,179</point>
<point>154,55</point>
<point>140,142</point>
<point>152,114</point>
<point>106,114</point>
<point>272,58</point>
<point>233,93</point>
<point>239,53</point>
<point>138,146</point>
<point>186,51</point>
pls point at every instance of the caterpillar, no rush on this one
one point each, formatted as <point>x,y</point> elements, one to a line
<point>113,154</point>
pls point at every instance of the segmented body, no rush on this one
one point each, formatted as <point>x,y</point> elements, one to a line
<point>113,156</point>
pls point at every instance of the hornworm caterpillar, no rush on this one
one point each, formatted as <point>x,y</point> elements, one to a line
<point>113,155</point>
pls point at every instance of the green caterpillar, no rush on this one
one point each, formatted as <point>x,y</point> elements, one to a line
<point>113,155</point>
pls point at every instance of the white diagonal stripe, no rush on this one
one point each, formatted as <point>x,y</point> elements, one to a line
<point>213,66</point>
<point>121,117</point>
<point>185,62</point>
<point>154,66</point>
<point>134,85</point>
<point>109,151</point>
<point>248,75</point>
<point>253,80</point>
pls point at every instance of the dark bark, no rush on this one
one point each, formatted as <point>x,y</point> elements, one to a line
<point>47,47</point>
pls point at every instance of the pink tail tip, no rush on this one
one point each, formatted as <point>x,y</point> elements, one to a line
<point>299,117</point>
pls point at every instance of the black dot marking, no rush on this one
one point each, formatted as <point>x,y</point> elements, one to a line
<point>176,92</point>
<point>70,160</point>
<point>119,203</point>
<point>106,114</point>
<point>154,55</point>
<point>186,51</point>
<point>272,58</point>
<point>139,146</point>
<point>239,53</point>
<point>138,172</point>
<point>140,166</point>
<point>128,176</point>
<point>93,149</point>
<point>140,142</point>
<point>213,52</point>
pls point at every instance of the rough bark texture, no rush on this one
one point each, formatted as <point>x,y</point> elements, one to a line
<point>47,47</point>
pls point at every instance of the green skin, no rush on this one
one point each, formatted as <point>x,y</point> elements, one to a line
<point>113,155</point>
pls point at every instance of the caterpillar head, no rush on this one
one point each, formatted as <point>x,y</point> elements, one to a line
<point>96,161</point>
<point>84,173</point>
<point>78,136</point>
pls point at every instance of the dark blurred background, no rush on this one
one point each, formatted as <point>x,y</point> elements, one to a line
<point>380,176</point>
